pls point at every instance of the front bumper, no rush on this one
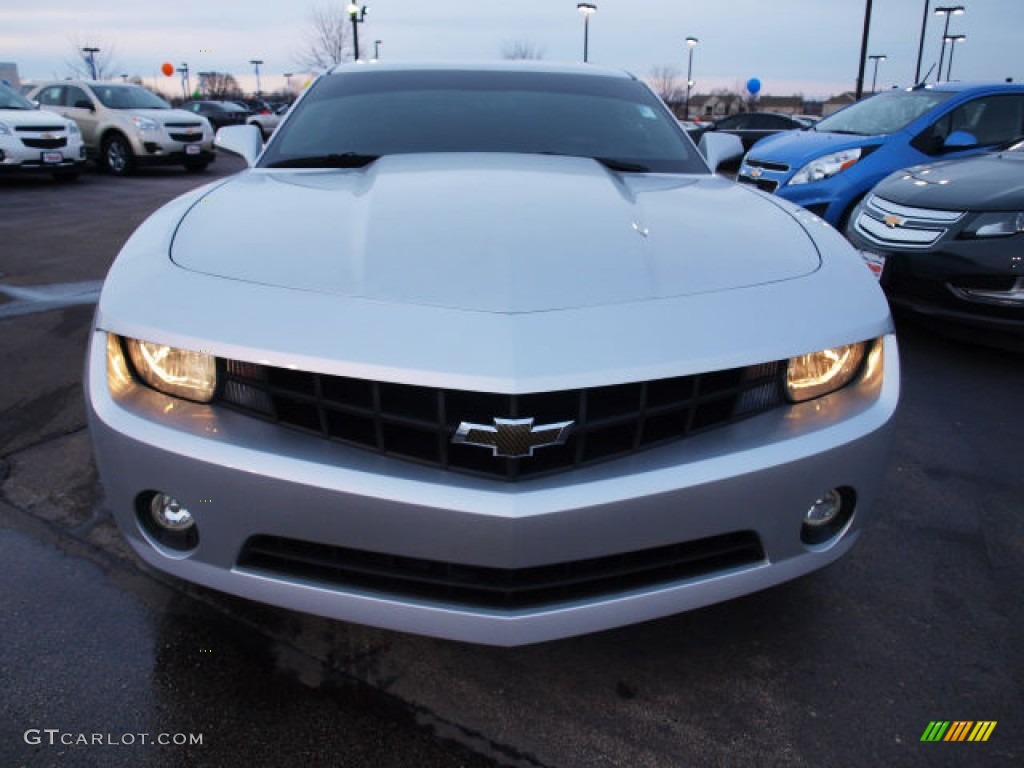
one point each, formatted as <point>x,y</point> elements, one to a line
<point>15,156</point>
<point>243,478</point>
<point>157,148</point>
<point>829,199</point>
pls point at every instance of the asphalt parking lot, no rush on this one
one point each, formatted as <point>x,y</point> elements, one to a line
<point>923,621</point>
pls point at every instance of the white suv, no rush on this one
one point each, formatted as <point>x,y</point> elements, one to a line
<point>33,140</point>
<point>124,125</point>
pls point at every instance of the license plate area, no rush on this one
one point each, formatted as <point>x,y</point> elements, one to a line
<point>875,262</point>
<point>52,158</point>
<point>191,149</point>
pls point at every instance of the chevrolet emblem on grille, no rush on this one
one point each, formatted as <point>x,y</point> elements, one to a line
<point>892,221</point>
<point>512,438</point>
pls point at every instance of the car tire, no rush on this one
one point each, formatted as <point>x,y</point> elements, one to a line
<point>66,175</point>
<point>196,167</point>
<point>117,155</point>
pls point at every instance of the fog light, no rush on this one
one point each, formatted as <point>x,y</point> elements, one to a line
<point>169,514</point>
<point>827,518</point>
<point>824,510</point>
<point>167,523</point>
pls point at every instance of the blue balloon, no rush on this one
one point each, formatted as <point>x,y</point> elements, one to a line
<point>753,85</point>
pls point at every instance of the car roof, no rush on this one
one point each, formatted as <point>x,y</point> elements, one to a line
<point>956,86</point>
<point>564,68</point>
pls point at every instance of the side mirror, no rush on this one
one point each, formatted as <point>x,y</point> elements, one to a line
<point>719,147</point>
<point>242,140</point>
<point>959,140</point>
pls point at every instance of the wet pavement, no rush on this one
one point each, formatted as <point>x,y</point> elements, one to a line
<point>923,620</point>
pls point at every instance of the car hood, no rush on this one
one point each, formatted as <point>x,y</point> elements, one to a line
<point>164,115</point>
<point>797,148</point>
<point>494,233</point>
<point>989,182</point>
<point>31,117</point>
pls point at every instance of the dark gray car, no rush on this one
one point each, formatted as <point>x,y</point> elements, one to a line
<point>947,242</point>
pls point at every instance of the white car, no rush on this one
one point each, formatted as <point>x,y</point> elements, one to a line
<point>523,368</point>
<point>34,140</point>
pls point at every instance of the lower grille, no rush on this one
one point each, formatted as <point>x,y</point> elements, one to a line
<point>418,423</point>
<point>765,185</point>
<point>485,587</point>
<point>45,143</point>
<point>187,137</point>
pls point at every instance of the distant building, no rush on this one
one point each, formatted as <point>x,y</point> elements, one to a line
<point>787,105</point>
<point>838,102</point>
<point>9,74</point>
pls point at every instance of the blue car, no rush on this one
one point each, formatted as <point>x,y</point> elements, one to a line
<point>830,167</point>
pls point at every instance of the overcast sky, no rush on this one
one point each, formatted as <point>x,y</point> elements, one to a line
<point>792,46</point>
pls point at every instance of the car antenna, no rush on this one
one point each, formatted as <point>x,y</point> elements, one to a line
<point>924,80</point>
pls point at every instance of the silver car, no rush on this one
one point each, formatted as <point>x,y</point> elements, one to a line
<point>522,367</point>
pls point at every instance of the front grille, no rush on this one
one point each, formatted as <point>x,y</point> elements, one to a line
<point>41,128</point>
<point>887,223</point>
<point>765,185</point>
<point>418,423</point>
<point>187,137</point>
<point>486,587</point>
<point>45,143</point>
<point>780,167</point>
<point>184,125</point>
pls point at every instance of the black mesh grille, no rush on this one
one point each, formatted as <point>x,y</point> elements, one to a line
<point>45,143</point>
<point>187,137</point>
<point>482,586</point>
<point>419,423</point>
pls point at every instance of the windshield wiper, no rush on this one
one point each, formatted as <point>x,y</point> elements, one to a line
<point>622,165</point>
<point>338,160</point>
<point>846,133</point>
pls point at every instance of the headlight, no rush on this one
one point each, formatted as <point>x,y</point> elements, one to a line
<point>73,130</point>
<point>826,166</point>
<point>144,123</point>
<point>177,372</point>
<point>996,225</point>
<point>820,373</point>
<point>4,130</point>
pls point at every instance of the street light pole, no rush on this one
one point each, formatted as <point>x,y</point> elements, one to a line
<point>358,14</point>
<point>947,11</point>
<point>876,57</point>
<point>256,65</point>
<point>920,44</point>
<point>586,9</point>
<point>863,50</point>
<point>952,40</point>
<point>186,86</point>
<point>376,48</point>
<point>92,60</point>
<point>691,43</point>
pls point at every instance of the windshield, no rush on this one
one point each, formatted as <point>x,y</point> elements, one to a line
<point>887,112</point>
<point>11,100</point>
<point>128,97</point>
<point>353,118</point>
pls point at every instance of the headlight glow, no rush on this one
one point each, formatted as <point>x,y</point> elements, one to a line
<point>144,123</point>
<point>821,373</point>
<point>178,372</point>
<point>996,224</point>
<point>73,129</point>
<point>826,166</point>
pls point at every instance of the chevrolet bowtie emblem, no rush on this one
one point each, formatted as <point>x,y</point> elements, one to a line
<point>892,221</point>
<point>755,173</point>
<point>512,438</point>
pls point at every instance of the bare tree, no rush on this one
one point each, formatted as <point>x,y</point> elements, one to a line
<point>82,61</point>
<point>522,49</point>
<point>668,83</point>
<point>326,38</point>
<point>219,85</point>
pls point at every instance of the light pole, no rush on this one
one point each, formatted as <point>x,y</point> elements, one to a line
<point>920,44</point>
<point>586,9</point>
<point>256,65</point>
<point>186,86</point>
<point>952,40</point>
<point>358,15</point>
<point>875,57</point>
<point>691,43</point>
<point>376,48</point>
<point>947,11</point>
<point>288,82</point>
<point>92,60</point>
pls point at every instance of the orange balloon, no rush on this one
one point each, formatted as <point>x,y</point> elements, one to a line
<point>167,68</point>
